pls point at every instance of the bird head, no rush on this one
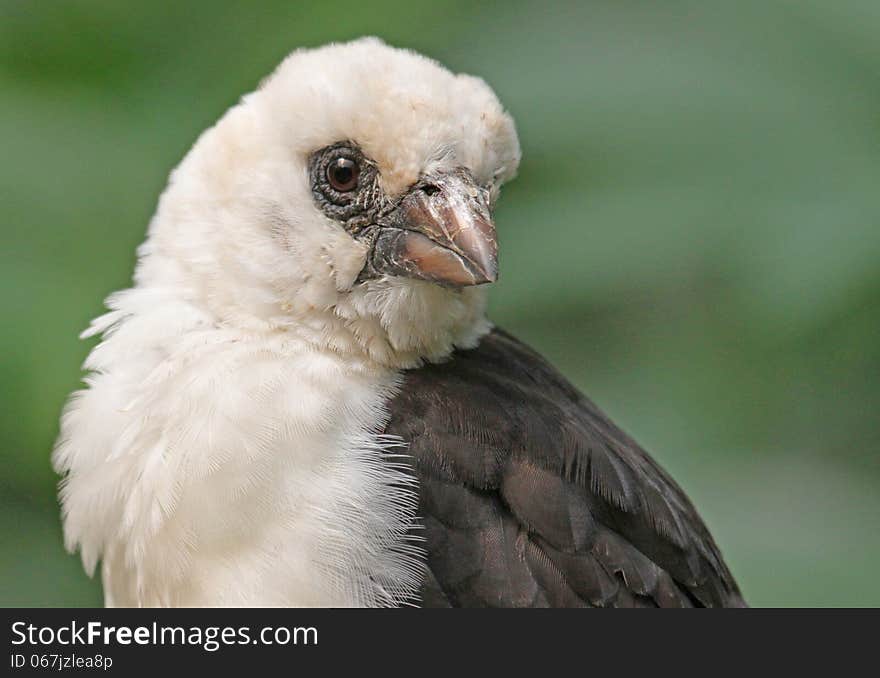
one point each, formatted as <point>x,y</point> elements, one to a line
<point>348,200</point>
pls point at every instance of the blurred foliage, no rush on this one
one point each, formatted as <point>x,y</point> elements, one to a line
<point>694,236</point>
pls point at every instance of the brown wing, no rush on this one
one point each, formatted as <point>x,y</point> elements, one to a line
<point>530,496</point>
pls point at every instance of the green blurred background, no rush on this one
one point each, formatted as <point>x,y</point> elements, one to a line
<point>694,236</point>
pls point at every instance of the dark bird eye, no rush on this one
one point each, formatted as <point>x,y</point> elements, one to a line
<point>342,173</point>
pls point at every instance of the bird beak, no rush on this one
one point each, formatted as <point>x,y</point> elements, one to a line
<point>440,231</point>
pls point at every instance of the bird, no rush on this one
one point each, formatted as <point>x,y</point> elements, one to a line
<point>300,400</point>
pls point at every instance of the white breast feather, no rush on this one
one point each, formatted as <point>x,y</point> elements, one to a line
<point>222,468</point>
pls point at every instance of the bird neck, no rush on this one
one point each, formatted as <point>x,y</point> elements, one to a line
<point>396,324</point>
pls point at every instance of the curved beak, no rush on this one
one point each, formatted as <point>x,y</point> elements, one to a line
<point>440,231</point>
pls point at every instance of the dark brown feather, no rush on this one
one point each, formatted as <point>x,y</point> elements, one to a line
<point>531,497</point>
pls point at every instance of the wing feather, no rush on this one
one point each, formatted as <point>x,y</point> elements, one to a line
<point>531,496</point>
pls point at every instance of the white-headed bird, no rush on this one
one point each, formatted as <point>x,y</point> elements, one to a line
<point>300,400</point>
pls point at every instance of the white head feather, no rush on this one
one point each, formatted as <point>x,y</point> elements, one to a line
<point>239,231</point>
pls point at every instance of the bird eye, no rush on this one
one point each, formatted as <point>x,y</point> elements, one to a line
<point>342,174</point>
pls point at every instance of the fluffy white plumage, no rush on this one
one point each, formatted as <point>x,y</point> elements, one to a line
<point>227,448</point>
